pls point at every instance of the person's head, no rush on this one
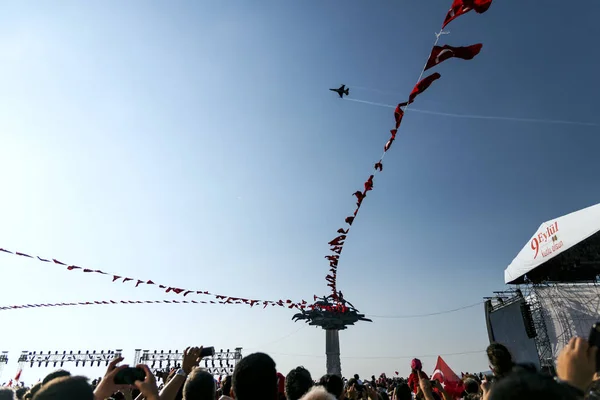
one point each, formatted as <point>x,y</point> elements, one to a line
<point>297,383</point>
<point>403,392</point>
<point>20,392</point>
<point>7,394</point>
<point>66,387</point>
<point>525,385</point>
<point>416,365</point>
<point>200,385</point>
<point>59,373</point>
<point>333,384</point>
<point>34,389</point>
<point>226,386</point>
<point>471,386</point>
<point>501,361</point>
<point>318,393</point>
<point>255,378</point>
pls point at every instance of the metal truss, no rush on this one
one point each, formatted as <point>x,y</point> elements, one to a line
<point>60,359</point>
<point>3,361</point>
<point>542,340</point>
<point>222,363</point>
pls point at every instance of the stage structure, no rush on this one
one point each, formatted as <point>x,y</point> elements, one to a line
<point>3,361</point>
<point>59,359</point>
<point>513,321</point>
<point>221,364</point>
<point>556,277</point>
<point>332,314</point>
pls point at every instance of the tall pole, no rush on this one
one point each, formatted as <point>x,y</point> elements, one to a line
<point>332,350</point>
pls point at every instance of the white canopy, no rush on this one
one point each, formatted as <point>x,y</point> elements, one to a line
<point>552,238</point>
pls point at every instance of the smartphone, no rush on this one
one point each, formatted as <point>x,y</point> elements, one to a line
<point>128,376</point>
<point>594,340</point>
<point>207,352</point>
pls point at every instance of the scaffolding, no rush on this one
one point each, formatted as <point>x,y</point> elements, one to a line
<point>3,361</point>
<point>220,364</point>
<point>58,358</point>
<point>570,309</point>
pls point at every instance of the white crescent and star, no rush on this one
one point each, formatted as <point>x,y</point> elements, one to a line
<point>437,59</point>
<point>438,372</point>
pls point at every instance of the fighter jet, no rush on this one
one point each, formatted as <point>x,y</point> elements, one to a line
<point>341,91</point>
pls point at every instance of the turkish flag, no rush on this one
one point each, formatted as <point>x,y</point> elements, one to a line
<point>460,7</point>
<point>440,54</point>
<point>398,114</point>
<point>444,374</point>
<point>422,86</point>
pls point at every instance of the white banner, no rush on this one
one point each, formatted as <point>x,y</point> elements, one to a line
<point>553,238</point>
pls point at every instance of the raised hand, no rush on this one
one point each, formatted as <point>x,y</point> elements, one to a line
<point>191,359</point>
<point>107,385</point>
<point>148,386</point>
<point>576,363</point>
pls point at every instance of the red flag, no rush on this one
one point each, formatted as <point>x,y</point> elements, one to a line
<point>18,376</point>
<point>440,54</point>
<point>388,145</point>
<point>398,114</point>
<point>369,183</point>
<point>444,374</point>
<point>423,85</point>
<point>460,7</point>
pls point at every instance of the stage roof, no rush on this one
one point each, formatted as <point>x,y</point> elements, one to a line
<point>565,249</point>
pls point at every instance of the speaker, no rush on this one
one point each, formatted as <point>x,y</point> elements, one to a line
<point>528,320</point>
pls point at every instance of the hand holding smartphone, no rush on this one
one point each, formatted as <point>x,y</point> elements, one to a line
<point>594,340</point>
<point>128,376</point>
<point>207,352</point>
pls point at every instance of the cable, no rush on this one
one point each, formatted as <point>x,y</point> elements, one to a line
<point>426,315</point>
<point>383,357</point>
<point>276,340</point>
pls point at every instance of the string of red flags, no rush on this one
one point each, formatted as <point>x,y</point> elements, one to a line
<point>460,7</point>
<point>438,55</point>
<point>110,302</point>
<point>229,301</point>
<point>219,299</point>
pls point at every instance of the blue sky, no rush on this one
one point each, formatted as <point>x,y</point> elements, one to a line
<point>196,144</point>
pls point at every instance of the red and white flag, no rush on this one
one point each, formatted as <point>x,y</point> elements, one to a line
<point>460,7</point>
<point>18,375</point>
<point>422,86</point>
<point>444,374</point>
<point>440,54</point>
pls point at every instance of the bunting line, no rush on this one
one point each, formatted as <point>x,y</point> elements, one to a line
<point>436,56</point>
<point>114,302</point>
<point>167,289</point>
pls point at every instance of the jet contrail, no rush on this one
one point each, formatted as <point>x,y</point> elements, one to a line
<point>374,90</point>
<point>470,116</point>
